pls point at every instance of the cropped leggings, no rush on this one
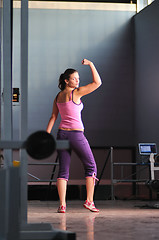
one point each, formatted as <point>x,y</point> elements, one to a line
<point>80,145</point>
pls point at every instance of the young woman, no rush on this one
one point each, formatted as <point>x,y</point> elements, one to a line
<point>68,104</point>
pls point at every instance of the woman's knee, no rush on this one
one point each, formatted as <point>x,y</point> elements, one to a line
<point>91,171</point>
<point>63,174</point>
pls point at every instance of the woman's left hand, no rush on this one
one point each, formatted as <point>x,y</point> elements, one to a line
<point>86,62</point>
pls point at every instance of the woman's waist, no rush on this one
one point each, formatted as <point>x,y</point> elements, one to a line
<point>71,129</point>
<point>72,124</point>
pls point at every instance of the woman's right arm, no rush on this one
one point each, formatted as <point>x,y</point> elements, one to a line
<point>53,117</point>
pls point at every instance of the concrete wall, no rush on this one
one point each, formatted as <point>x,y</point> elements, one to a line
<point>60,38</point>
<point>147,74</point>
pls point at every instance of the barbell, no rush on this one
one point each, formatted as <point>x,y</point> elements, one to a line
<point>38,145</point>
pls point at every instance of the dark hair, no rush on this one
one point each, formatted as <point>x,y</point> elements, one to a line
<point>63,76</point>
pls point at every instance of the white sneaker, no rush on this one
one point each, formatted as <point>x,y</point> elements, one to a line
<point>90,206</point>
<point>61,209</point>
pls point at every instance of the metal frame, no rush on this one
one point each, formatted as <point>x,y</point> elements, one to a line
<point>13,181</point>
<point>153,168</point>
<point>7,76</point>
<point>133,164</point>
<point>44,164</point>
<point>24,107</point>
<point>7,97</point>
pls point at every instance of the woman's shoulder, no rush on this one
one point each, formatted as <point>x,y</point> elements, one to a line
<point>62,96</point>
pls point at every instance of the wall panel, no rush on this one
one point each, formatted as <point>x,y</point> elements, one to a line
<point>60,38</point>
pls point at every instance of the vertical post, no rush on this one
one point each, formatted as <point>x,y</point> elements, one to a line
<point>9,203</point>
<point>3,217</point>
<point>13,204</point>
<point>7,97</point>
<point>7,76</point>
<point>24,106</point>
<point>152,161</point>
<point>134,173</point>
<point>112,174</point>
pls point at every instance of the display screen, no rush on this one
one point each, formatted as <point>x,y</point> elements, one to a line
<point>147,148</point>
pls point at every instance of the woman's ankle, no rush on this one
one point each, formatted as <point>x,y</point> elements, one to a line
<point>62,203</point>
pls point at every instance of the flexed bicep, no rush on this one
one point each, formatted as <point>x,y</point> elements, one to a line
<point>96,80</point>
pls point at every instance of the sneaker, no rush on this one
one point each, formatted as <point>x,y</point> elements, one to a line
<point>90,206</point>
<point>61,209</point>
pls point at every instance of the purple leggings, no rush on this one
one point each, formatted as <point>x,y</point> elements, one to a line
<point>80,145</point>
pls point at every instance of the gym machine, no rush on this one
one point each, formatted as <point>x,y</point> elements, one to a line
<point>150,149</point>
<point>13,180</point>
<point>38,145</point>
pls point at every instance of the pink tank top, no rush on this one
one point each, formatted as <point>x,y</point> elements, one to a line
<point>70,115</point>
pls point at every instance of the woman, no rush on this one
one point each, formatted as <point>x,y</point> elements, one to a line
<point>68,103</point>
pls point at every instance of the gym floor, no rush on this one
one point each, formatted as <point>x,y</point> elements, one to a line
<point>117,220</point>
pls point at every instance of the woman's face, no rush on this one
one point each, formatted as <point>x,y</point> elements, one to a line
<point>73,81</point>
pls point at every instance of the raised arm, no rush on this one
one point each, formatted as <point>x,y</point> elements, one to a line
<point>96,80</point>
<point>53,117</point>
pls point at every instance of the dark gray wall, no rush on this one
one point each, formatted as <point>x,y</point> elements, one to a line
<point>59,39</point>
<point>147,74</point>
<point>0,57</point>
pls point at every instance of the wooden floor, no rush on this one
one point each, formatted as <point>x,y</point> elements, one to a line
<point>117,220</point>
